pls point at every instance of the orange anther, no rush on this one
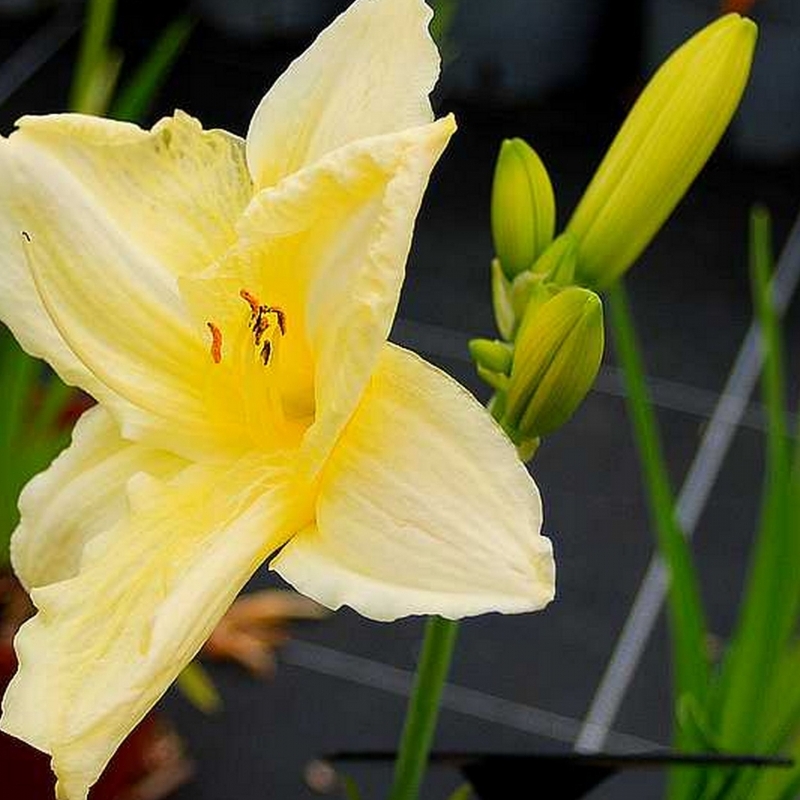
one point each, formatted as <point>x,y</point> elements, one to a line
<point>281,318</point>
<point>216,342</point>
<point>251,300</point>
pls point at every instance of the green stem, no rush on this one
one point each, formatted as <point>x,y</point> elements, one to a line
<point>691,667</point>
<point>423,708</point>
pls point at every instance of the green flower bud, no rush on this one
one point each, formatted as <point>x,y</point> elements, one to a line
<point>523,207</point>
<point>492,354</point>
<point>504,315</point>
<point>556,359</point>
<point>662,145</point>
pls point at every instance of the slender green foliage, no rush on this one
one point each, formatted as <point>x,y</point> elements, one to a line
<point>96,71</point>
<point>687,617</point>
<point>134,98</point>
<point>765,623</point>
<point>691,667</point>
<point>30,434</point>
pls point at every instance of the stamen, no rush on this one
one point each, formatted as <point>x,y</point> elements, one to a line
<point>260,323</point>
<point>216,342</point>
<point>251,300</point>
<point>281,318</point>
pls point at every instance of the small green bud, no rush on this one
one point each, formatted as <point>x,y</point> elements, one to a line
<point>523,207</point>
<point>492,354</point>
<point>504,316</point>
<point>556,359</point>
<point>557,264</point>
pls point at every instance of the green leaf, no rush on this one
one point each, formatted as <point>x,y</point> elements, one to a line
<point>444,13</point>
<point>198,688</point>
<point>137,94</point>
<point>18,375</point>
<point>94,59</point>
<point>53,408</point>
<point>464,792</point>
<point>350,788</point>
<point>691,667</point>
<point>777,784</point>
<point>768,612</point>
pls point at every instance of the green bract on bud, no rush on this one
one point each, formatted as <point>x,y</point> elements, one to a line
<point>523,207</point>
<point>557,264</point>
<point>666,139</point>
<point>556,359</point>
<point>502,305</point>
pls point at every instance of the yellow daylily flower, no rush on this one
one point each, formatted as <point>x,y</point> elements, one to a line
<point>227,302</point>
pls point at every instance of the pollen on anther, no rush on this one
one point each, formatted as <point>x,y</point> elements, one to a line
<point>251,300</point>
<point>216,342</point>
<point>281,319</point>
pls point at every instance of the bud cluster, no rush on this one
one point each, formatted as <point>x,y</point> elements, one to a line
<point>543,286</point>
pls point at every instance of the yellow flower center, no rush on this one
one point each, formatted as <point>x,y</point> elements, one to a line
<point>247,377</point>
<point>267,324</point>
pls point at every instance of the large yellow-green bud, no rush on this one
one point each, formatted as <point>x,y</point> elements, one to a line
<point>523,207</point>
<point>556,358</point>
<point>662,145</point>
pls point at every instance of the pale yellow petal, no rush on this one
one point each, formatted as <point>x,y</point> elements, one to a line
<point>116,308</point>
<point>327,246</point>
<point>424,508</point>
<point>21,308</point>
<point>369,73</point>
<point>106,643</point>
<point>80,495</point>
<point>163,201</point>
<point>176,191</point>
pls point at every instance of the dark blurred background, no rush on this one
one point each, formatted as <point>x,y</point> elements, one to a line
<point>561,74</point>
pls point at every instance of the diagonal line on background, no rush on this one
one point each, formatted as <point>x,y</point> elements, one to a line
<point>470,702</point>
<point>36,51</point>
<point>444,342</point>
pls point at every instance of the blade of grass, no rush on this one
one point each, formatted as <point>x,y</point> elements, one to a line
<point>18,375</point>
<point>686,610</point>
<point>783,703</point>
<point>691,669</point>
<point>765,620</point>
<point>135,97</point>
<point>93,56</point>
<point>54,407</point>
<point>778,784</point>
